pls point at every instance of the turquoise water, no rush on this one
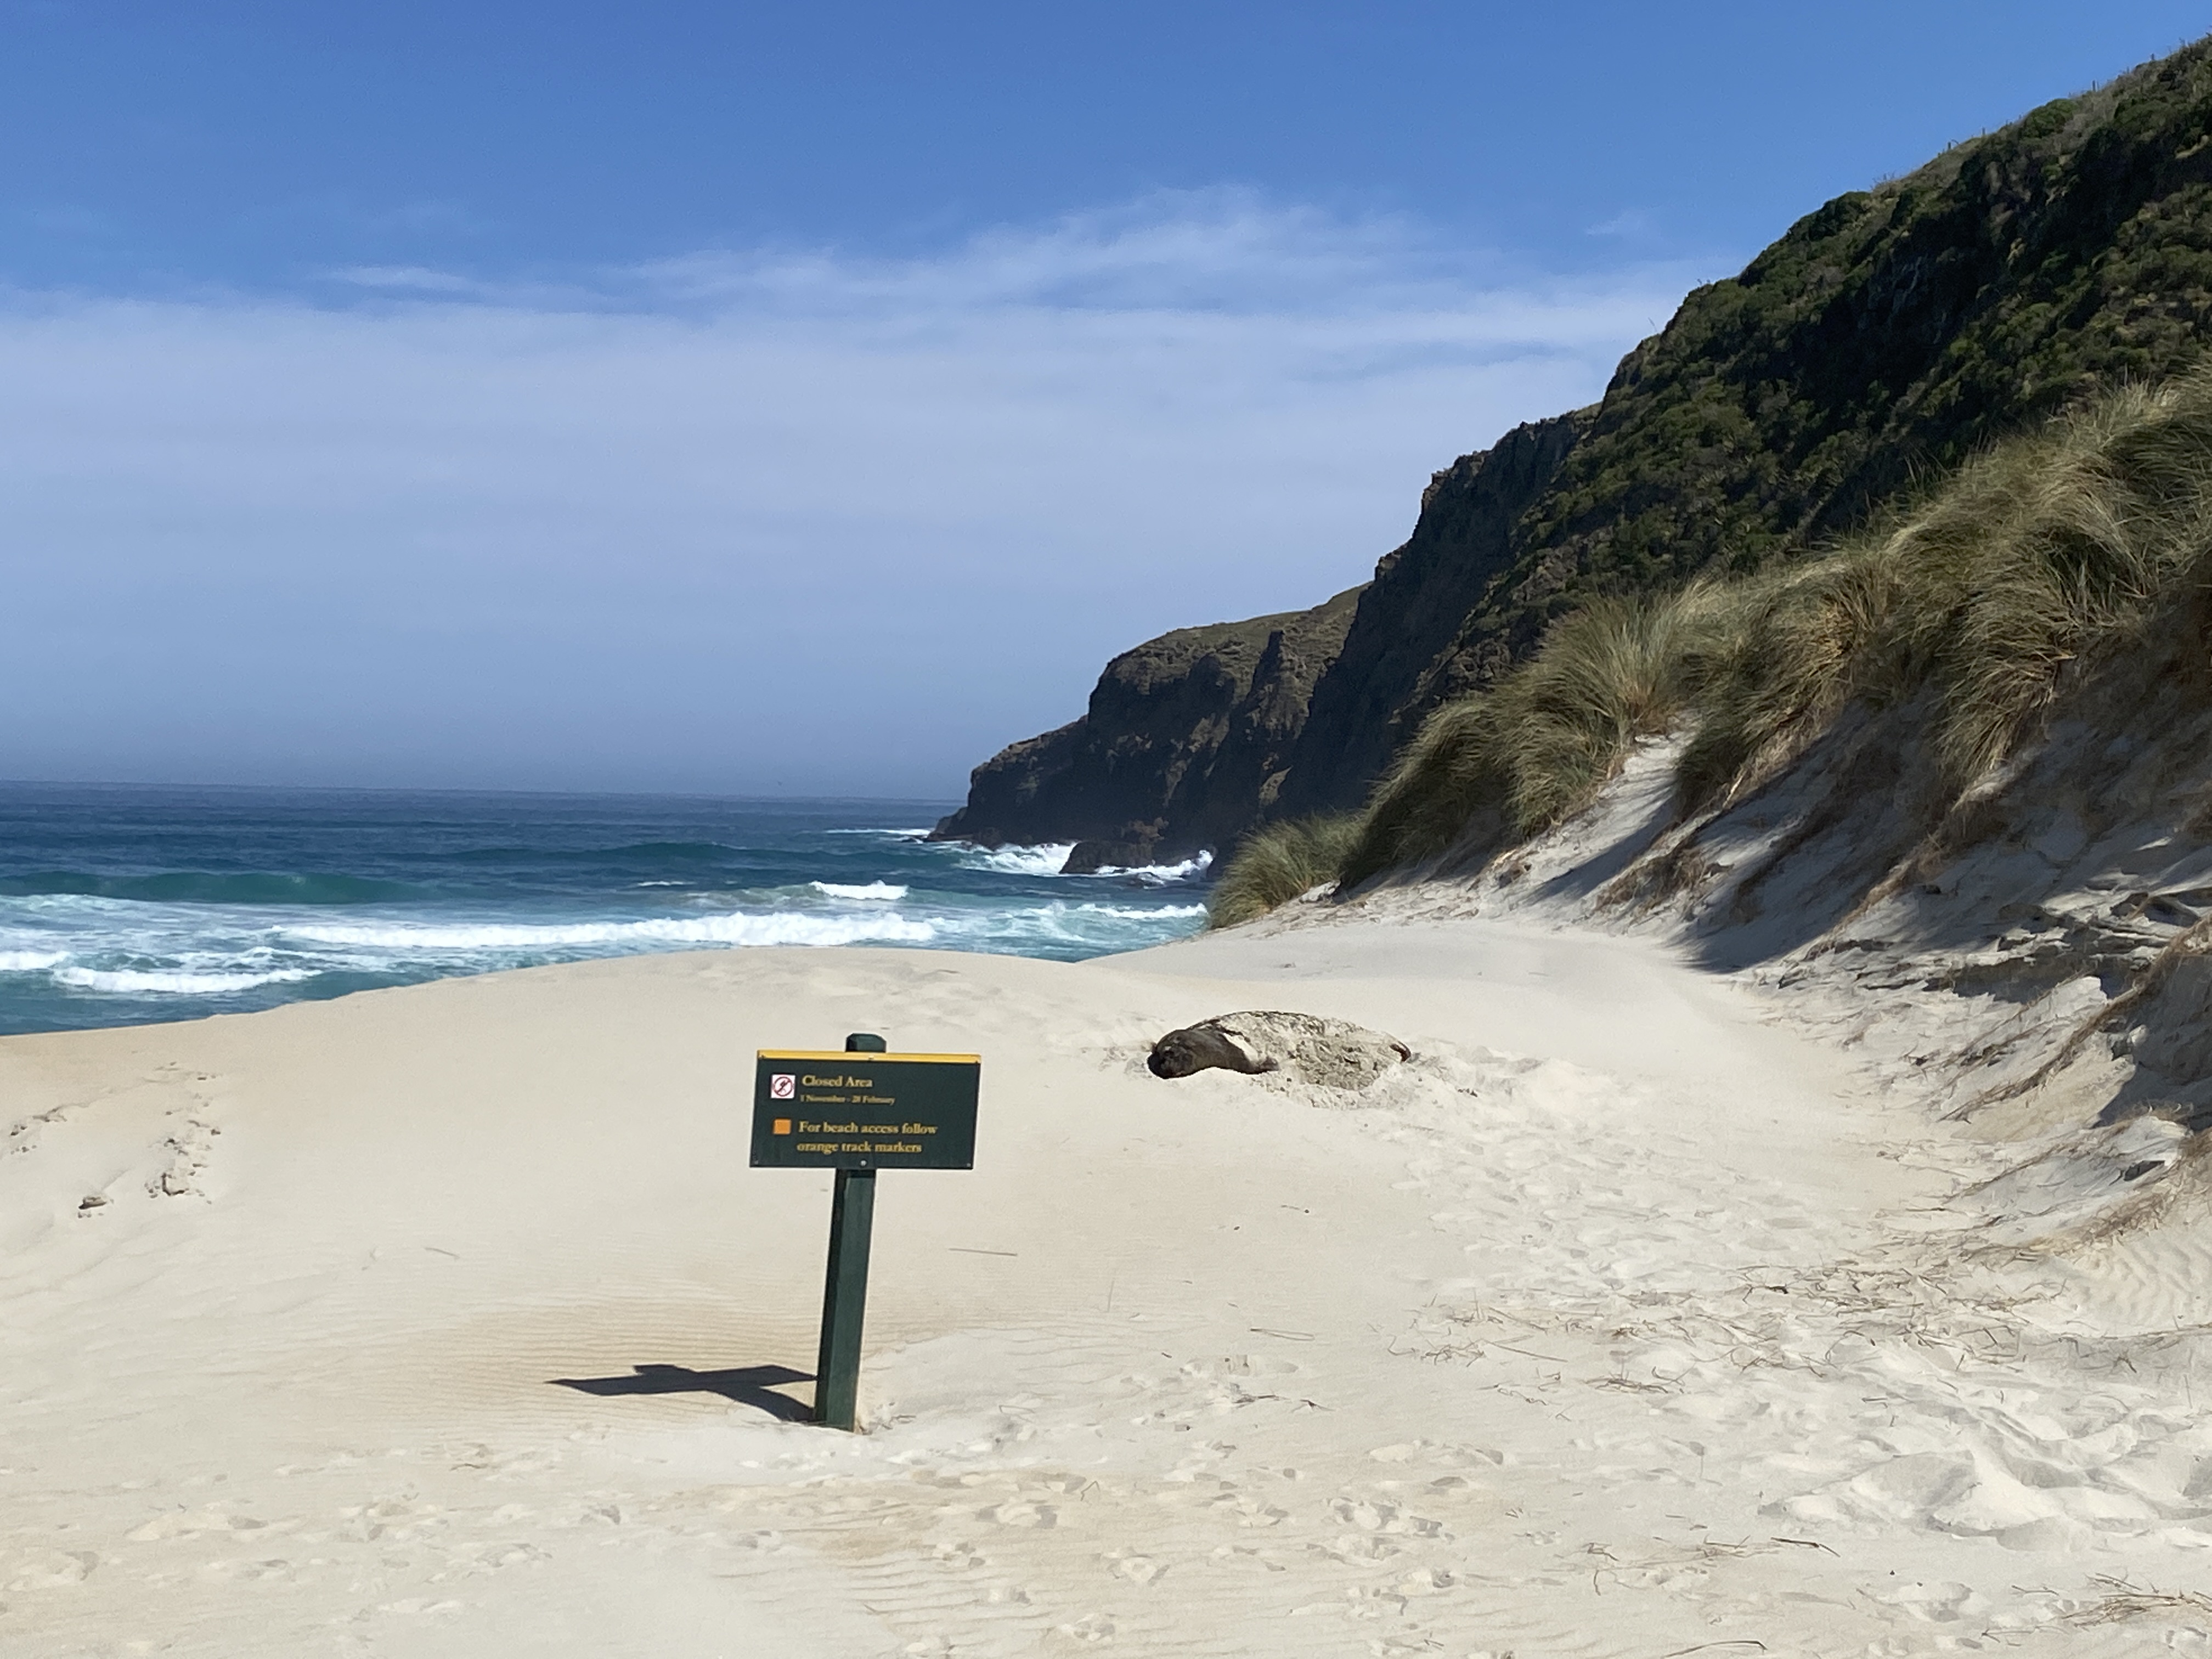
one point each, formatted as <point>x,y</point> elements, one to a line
<point>120,905</point>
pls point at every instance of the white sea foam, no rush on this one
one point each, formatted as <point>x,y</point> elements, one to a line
<point>1048,860</point>
<point>886,890</point>
<point>1089,927</point>
<point>31,962</point>
<point>1019,861</point>
<point>727,929</point>
<point>1158,875</point>
<point>134,982</point>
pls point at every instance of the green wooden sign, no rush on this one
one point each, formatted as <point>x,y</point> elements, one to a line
<point>863,1111</point>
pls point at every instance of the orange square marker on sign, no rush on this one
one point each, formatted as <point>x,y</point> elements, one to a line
<point>782,1125</point>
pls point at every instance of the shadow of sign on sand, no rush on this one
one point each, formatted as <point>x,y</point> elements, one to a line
<point>748,1385</point>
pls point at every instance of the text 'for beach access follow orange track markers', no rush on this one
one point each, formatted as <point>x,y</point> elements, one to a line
<point>858,1111</point>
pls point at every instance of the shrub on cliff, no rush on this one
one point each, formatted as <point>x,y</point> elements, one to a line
<point>1277,863</point>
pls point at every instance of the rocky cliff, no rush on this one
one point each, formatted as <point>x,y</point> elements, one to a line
<point>1410,615</point>
<point>1882,339</point>
<point>1186,741</point>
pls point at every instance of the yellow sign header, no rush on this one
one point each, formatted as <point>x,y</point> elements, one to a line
<point>862,1060</point>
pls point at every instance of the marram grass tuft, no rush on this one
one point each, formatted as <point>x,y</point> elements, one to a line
<point>1499,767</point>
<point>1278,862</point>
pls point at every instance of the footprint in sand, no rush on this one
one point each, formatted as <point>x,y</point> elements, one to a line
<point>1383,1517</point>
<point>1250,1512</point>
<point>1937,1604</point>
<point>1019,1512</point>
<point>1137,1569</point>
<point>51,1569</point>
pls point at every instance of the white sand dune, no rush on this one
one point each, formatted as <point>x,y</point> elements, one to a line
<point>1623,1320</point>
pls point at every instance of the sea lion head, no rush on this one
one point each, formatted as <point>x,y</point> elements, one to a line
<point>1197,1049</point>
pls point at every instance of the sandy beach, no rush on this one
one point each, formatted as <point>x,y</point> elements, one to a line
<point>1537,681</point>
<point>1624,1319</point>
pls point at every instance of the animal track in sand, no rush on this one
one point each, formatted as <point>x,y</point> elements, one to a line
<point>43,1570</point>
<point>190,1142</point>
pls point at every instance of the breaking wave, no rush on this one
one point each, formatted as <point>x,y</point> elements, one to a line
<point>1017,860</point>
<point>735,928</point>
<point>888,891</point>
<point>1050,859</point>
<point>1158,875</point>
<point>143,981</point>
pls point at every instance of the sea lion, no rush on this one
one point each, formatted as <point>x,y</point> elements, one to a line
<point>1333,1053</point>
<point>1202,1048</point>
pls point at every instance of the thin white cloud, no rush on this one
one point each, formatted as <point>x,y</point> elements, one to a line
<point>743,521</point>
<point>413,279</point>
<point>1202,251</point>
<point>1628,224</point>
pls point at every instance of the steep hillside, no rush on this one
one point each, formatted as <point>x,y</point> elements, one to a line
<point>1882,339</point>
<point>1884,336</point>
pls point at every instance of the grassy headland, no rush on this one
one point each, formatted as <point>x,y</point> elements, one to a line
<point>2039,556</point>
<point>1887,339</point>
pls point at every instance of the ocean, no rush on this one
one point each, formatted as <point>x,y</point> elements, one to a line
<point>122,904</point>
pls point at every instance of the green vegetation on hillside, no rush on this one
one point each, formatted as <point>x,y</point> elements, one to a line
<point>1888,335</point>
<point>2043,552</point>
<point>1883,341</point>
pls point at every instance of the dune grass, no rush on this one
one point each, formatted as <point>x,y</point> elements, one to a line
<point>1277,863</point>
<point>2089,537</point>
<point>2043,552</point>
<point>1508,763</point>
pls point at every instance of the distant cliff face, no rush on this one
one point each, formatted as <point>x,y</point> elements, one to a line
<point>1188,737</point>
<point>1883,337</point>
<point>1411,612</point>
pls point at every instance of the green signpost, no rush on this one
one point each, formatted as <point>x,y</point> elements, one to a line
<point>856,1112</point>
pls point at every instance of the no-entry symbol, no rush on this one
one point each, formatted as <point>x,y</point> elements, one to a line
<point>780,1085</point>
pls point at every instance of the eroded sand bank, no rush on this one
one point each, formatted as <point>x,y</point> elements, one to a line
<point>1620,1321</point>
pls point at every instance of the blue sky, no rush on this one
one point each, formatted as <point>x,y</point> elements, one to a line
<point>769,399</point>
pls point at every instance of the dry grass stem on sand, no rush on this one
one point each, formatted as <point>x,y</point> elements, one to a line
<point>2126,1602</point>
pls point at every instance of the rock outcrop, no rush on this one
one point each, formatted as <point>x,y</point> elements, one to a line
<point>1882,338</point>
<point>1186,739</point>
<point>1374,694</point>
